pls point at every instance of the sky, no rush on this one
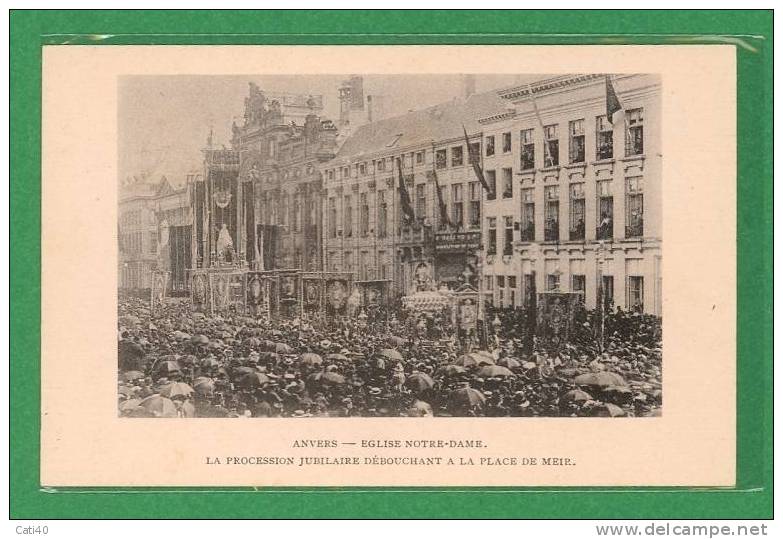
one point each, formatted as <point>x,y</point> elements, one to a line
<point>164,120</point>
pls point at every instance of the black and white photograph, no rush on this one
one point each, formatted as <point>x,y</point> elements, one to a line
<point>366,245</point>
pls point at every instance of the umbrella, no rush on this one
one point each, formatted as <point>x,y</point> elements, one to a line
<point>420,409</point>
<point>203,385</point>
<point>419,382</point>
<point>130,320</point>
<point>129,405</point>
<point>389,353</point>
<point>168,367</point>
<point>282,348</point>
<point>488,371</point>
<point>269,356</point>
<point>277,334</point>
<point>158,406</point>
<point>199,339</point>
<point>242,371</point>
<point>336,357</point>
<point>309,358</point>
<point>327,377</point>
<point>601,379</point>
<point>453,370</point>
<point>509,362</point>
<point>473,360</point>
<point>127,391</point>
<point>467,396</point>
<point>575,395</point>
<point>397,341</point>
<point>254,379</point>
<point>176,389</point>
<point>253,342</point>
<point>130,376</point>
<point>181,336</point>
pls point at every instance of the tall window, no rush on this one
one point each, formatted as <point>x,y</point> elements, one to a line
<point>508,183</point>
<point>508,238</point>
<point>456,205</point>
<point>604,145</point>
<point>297,220</point>
<point>605,228</point>
<point>381,165</point>
<point>153,243</point>
<point>493,184</point>
<point>421,201</point>
<point>383,213</point>
<point>348,266</point>
<point>576,229</point>
<point>552,146</point>
<point>553,282</point>
<point>365,224</point>
<point>634,207</point>
<point>348,217</point>
<point>576,141</point>
<point>578,286</point>
<point>636,293</point>
<point>492,236</point>
<point>528,150</point>
<point>490,145</point>
<point>552,213</point>
<point>474,216</point>
<point>507,142</point>
<point>501,281</point>
<point>284,209</point>
<point>512,288</point>
<point>634,136</point>
<point>456,156</point>
<point>332,218</point>
<point>440,159</point>
<point>528,226</point>
<point>420,157</point>
<point>363,168</point>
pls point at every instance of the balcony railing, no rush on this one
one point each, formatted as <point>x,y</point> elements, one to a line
<point>635,230</point>
<point>604,232</point>
<point>528,234</point>
<point>552,232</point>
<point>577,233</point>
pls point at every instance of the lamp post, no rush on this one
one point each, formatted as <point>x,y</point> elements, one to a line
<point>600,253</point>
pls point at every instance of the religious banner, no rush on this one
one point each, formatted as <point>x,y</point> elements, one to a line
<point>227,291</point>
<point>337,289</point>
<point>289,290</point>
<point>158,288</point>
<point>199,291</point>
<point>312,291</point>
<point>555,317</point>
<point>258,288</point>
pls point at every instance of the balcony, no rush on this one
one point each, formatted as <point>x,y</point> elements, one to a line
<point>605,231</point>
<point>577,233</point>
<point>528,233</point>
<point>635,230</point>
<point>552,231</point>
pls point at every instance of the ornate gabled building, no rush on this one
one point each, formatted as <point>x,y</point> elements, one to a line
<point>259,205</point>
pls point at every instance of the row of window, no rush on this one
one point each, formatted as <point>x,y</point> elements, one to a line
<point>455,155</point>
<point>604,223</point>
<point>502,289</point>
<point>366,270</point>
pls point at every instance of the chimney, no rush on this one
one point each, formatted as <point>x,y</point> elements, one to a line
<point>468,85</point>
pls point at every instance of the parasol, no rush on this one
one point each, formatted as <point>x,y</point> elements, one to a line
<point>419,381</point>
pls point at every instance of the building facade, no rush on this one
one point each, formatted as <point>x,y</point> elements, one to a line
<point>574,200</point>
<point>265,190</point>
<point>578,198</point>
<point>154,233</point>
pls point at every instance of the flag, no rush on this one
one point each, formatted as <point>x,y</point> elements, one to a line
<point>444,214</point>
<point>547,149</point>
<point>474,160</point>
<point>405,198</point>
<point>612,101</point>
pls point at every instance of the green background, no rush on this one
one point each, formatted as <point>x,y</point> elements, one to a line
<point>751,31</point>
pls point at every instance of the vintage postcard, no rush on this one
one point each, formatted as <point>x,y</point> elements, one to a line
<point>389,266</point>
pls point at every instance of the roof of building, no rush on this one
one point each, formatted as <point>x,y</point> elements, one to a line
<point>440,122</point>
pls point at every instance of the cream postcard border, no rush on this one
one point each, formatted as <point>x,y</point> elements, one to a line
<point>84,443</point>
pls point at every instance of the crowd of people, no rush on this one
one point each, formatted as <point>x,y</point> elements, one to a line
<point>173,362</point>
